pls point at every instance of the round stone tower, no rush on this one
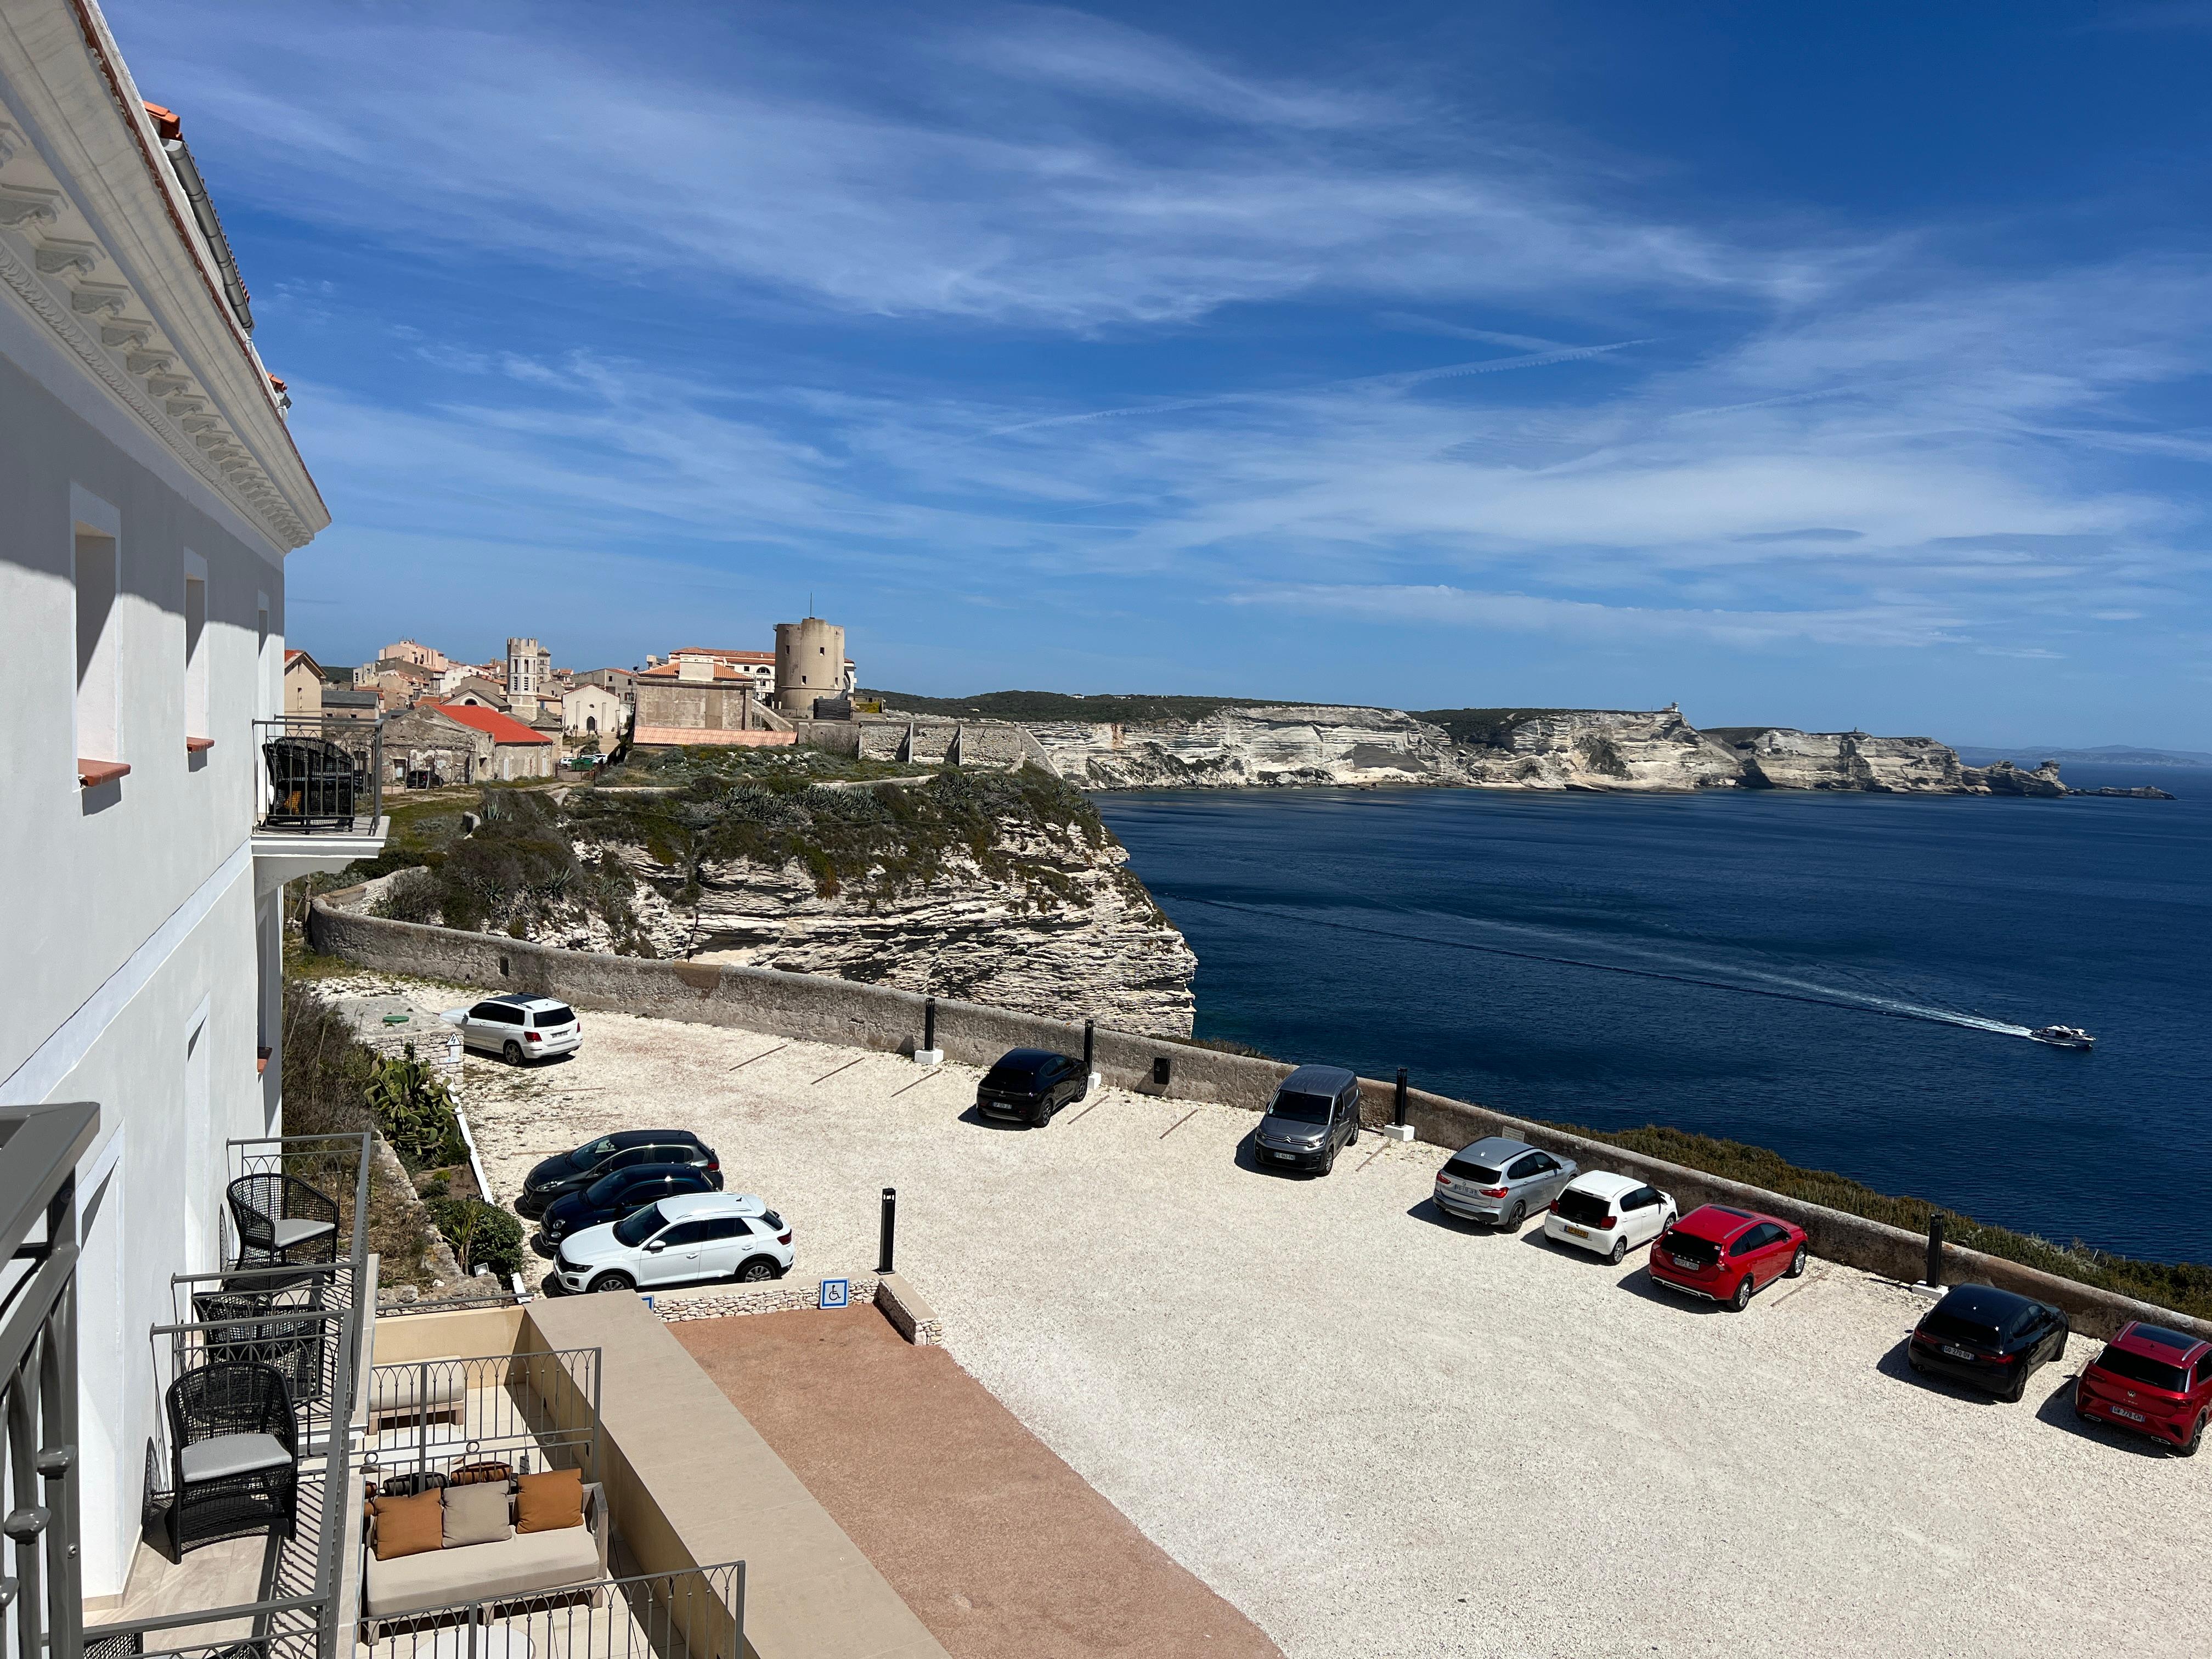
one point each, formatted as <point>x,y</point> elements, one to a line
<point>810,663</point>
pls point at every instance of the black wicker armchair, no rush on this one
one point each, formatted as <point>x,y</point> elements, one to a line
<point>282,1221</point>
<point>234,1455</point>
<point>285,1328</point>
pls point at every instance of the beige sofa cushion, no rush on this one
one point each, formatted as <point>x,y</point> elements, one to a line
<point>482,1572</point>
<point>477,1515</point>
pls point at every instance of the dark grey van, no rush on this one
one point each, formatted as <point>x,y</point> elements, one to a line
<point>1314,1116</point>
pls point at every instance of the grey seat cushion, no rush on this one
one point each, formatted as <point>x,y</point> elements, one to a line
<point>232,1455</point>
<point>293,1230</point>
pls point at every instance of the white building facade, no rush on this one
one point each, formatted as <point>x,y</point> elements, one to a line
<point>148,494</point>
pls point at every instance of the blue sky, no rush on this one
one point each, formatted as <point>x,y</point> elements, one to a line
<point>1821,366</point>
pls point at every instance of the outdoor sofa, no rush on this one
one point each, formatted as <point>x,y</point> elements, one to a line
<point>525,1564</point>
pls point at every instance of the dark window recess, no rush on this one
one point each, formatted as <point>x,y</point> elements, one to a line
<point>1583,1209</point>
<point>1464,1170</point>
<point>2136,1369</point>
<point>1703,1251</point>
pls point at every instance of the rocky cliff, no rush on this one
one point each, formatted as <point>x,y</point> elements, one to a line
<point>1263,744</point>
<point>1002,888</point>
<point>1591,749</point>
<point>1053,925</point>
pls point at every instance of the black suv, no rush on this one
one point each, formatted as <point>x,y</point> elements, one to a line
<point>612,1197</point>
<point>571,1172</point>
<point>1031,1083</point>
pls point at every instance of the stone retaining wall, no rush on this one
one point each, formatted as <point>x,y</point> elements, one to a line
<point>817,1009</point>
<point>898,1302</point>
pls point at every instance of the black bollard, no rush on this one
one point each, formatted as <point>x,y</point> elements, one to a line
<point>1935,1249</point>
<point>929,1024</point>
<point>1399,1105</point>
<point>890,1228</point>
<point>1089,1045</point>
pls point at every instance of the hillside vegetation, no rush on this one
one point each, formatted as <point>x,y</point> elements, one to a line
<point>524,863</point>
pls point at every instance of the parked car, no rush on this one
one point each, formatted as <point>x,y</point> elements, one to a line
<point>1987,1338</point>
<point>677,1240</point>
<point>1031,1083</point>
<point>1500,1180</point>
<point>1313,1115</point>
<point>571,1172</point>
<point>1725,1254</point>
<point>518,1029</point>
<point>2150,1381</point>
<point>1607,1214</point>
<point>612,1197</point>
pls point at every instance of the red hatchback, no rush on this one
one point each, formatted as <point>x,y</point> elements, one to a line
<point>2152,1380</point>
<point>1724,1254</point>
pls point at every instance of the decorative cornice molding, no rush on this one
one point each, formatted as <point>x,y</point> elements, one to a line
<point>53,260</point>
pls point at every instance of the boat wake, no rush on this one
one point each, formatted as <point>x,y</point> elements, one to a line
<point>1782,990</point>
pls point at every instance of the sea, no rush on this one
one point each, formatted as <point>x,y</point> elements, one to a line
<point>1847,979</point>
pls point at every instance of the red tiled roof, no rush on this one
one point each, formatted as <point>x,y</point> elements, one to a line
<point>502,728</point>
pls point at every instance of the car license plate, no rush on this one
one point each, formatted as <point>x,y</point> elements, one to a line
<point>1285,1156</point>
<point>1579,1232</point>
<point>2122,1411</point>
<point>1684,1262</point>
<point>1958,1354</point>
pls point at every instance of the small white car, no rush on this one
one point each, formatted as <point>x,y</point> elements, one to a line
<point>517,1028</point>
<point>675,1241</point>
<point>1607,1214</point>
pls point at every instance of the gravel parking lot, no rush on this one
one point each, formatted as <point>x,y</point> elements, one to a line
<point>1380,1434</point>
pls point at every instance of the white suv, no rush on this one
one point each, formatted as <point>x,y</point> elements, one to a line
<point>518,1027</point>
<point>676,1240</point>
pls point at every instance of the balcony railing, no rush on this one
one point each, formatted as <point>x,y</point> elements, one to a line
<point>39,1588</point>
<point>319,775</point>
<point>697,1613</point>
<point>304,1316</point>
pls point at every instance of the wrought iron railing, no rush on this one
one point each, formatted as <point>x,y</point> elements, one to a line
<point>697,1613</point>
<point>320,773</point>
<point>431,1415</point>
<point>41,1593</point>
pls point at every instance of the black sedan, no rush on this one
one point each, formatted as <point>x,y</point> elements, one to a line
<point>1987,1339</point>
<point>628,1149</point>
<point>612,1197</point>
<point>1031,1084</point>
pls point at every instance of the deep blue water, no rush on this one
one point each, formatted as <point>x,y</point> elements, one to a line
<point>1331,925</point>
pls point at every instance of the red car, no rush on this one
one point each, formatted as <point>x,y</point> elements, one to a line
<point>2151,1381</point>
<point>1724,1254</point>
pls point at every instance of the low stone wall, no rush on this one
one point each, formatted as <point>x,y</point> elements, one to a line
<point>815,1008</point>
<point>777,1296</point>
<point>896,1300</point>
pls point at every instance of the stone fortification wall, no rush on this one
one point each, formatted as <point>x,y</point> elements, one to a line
<point>925,742</point>
<point>818,1009</point>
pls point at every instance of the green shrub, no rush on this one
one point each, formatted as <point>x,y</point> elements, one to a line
<point>416,1113</point>
<point>482,1234</point>
<point>412,897</point>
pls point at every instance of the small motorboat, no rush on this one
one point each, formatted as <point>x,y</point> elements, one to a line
<point>2063,1036</point>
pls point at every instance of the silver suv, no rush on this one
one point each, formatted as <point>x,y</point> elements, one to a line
<point>1500,1181</point>
<point>1314,1116</point>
